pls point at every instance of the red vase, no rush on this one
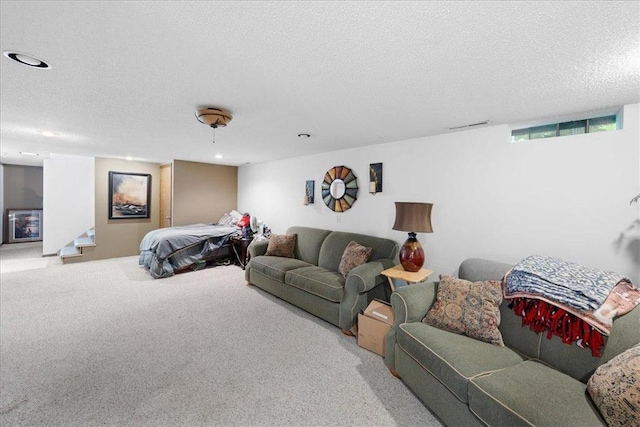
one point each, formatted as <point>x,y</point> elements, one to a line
<point>412,254</point>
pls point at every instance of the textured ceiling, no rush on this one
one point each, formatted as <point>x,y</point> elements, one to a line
<point>127,77</point>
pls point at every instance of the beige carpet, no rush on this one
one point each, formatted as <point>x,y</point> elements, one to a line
<point>24,256</point>
<point>102,343</point>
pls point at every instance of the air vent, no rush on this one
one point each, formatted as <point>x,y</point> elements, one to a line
<point>486,122</point>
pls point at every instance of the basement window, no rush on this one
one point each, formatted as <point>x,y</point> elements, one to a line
<point>577,127</point>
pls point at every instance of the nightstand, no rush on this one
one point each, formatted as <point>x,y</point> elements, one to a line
<point>400,273</point>
<point>240,245</point>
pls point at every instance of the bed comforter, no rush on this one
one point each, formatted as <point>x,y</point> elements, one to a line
<point>165,250</point>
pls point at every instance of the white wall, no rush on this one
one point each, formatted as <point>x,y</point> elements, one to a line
<point>566,197</point>
<point>68,198</point>
<point>2,213</point>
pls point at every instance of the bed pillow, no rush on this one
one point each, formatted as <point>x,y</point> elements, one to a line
<point>354,255</point>
<point>226,219</point>
<point>468,308</point>
<point>615,389</point>
<point>281,245</point>
<point>237,216</point>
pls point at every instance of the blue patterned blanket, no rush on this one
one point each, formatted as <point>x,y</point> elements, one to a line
<point>568,283</point>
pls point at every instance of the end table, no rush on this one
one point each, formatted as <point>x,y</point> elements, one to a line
<point>240,245</point>
<point>400,273</point>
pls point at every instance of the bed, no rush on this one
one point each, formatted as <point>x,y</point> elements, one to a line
<point>167,251</point>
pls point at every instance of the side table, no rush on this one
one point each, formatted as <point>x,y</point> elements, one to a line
<point>400,273</point>
<point>240,245</point>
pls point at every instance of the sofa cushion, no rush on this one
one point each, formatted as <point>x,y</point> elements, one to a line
<point>615,389</point>
<point>281,245</point>
<point>334,245</point>
<point>451,358</point>
<point>468,308</point>
<point>353,256</point>
<point>308,242</point>
<point>318,281</point>
<point>275,267</point>
<point>531,393</point>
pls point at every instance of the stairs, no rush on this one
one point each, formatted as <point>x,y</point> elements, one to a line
<point>74,250</point>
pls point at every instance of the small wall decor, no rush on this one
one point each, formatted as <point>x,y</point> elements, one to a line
<point>375,178</point>
<point>309,190</point>
<point>25,225</point>
<point>129,195</point>
<point>339,188</point>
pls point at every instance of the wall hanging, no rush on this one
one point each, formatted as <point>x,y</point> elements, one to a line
<point>375,178</point>
<point>339,188</point>
<point>129,195</point>
<point>309,190</point>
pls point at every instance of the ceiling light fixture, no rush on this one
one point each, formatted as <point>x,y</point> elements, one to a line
<point>218,156</point>
<point>28,60</point>
<point>26,153</point>
<point>48,133</point>
<point>214,117</point>
<point>304,135</point>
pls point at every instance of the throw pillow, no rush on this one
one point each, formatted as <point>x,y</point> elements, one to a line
<point>468,308</point>
<point>354,255</point>
<point>281,245</point>
<point>615,389</point>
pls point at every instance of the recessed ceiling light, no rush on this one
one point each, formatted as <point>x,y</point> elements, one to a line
<point>304,135</point>
<point>26,153</point>
<point>129,158</point>
<point>28,60</point>
<point>48,133</point>
<point>218,156</point>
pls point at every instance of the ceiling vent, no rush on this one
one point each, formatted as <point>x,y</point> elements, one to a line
<point>486,122</point>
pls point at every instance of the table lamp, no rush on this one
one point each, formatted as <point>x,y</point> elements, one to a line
<point>414,218</point>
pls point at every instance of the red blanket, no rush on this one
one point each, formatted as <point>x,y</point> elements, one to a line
<point>585,328</point>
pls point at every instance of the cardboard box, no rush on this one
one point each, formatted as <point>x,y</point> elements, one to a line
<point>374,324</point>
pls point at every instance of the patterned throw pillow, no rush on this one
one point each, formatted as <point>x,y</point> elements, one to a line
<point>354,255</point>
<point>468,308</point>
<point>615,389</point>
<point>281,245</point>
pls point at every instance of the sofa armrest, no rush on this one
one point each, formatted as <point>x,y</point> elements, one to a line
<point>360,281</point>
<point>365,277</point>
<point>410,304</point>
<point>257,248</point>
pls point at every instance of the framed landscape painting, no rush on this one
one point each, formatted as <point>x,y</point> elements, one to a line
<point>129,195</point>
<point>25,225</point>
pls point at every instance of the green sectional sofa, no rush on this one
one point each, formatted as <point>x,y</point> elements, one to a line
<point>311,280</point>
<point>531,381</point>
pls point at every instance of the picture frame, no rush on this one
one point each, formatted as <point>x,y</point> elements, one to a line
<point>25,225</point>
<point>129,195</point>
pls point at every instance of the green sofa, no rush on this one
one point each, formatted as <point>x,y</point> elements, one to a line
<point>311,280</point>
<point>532,381</point>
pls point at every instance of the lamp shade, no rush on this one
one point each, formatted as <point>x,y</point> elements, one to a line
<point>413,217</point>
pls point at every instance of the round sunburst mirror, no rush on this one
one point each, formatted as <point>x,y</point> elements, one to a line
<point>339,188</point>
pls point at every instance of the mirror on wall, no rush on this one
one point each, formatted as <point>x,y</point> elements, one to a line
<point>339,188</point>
